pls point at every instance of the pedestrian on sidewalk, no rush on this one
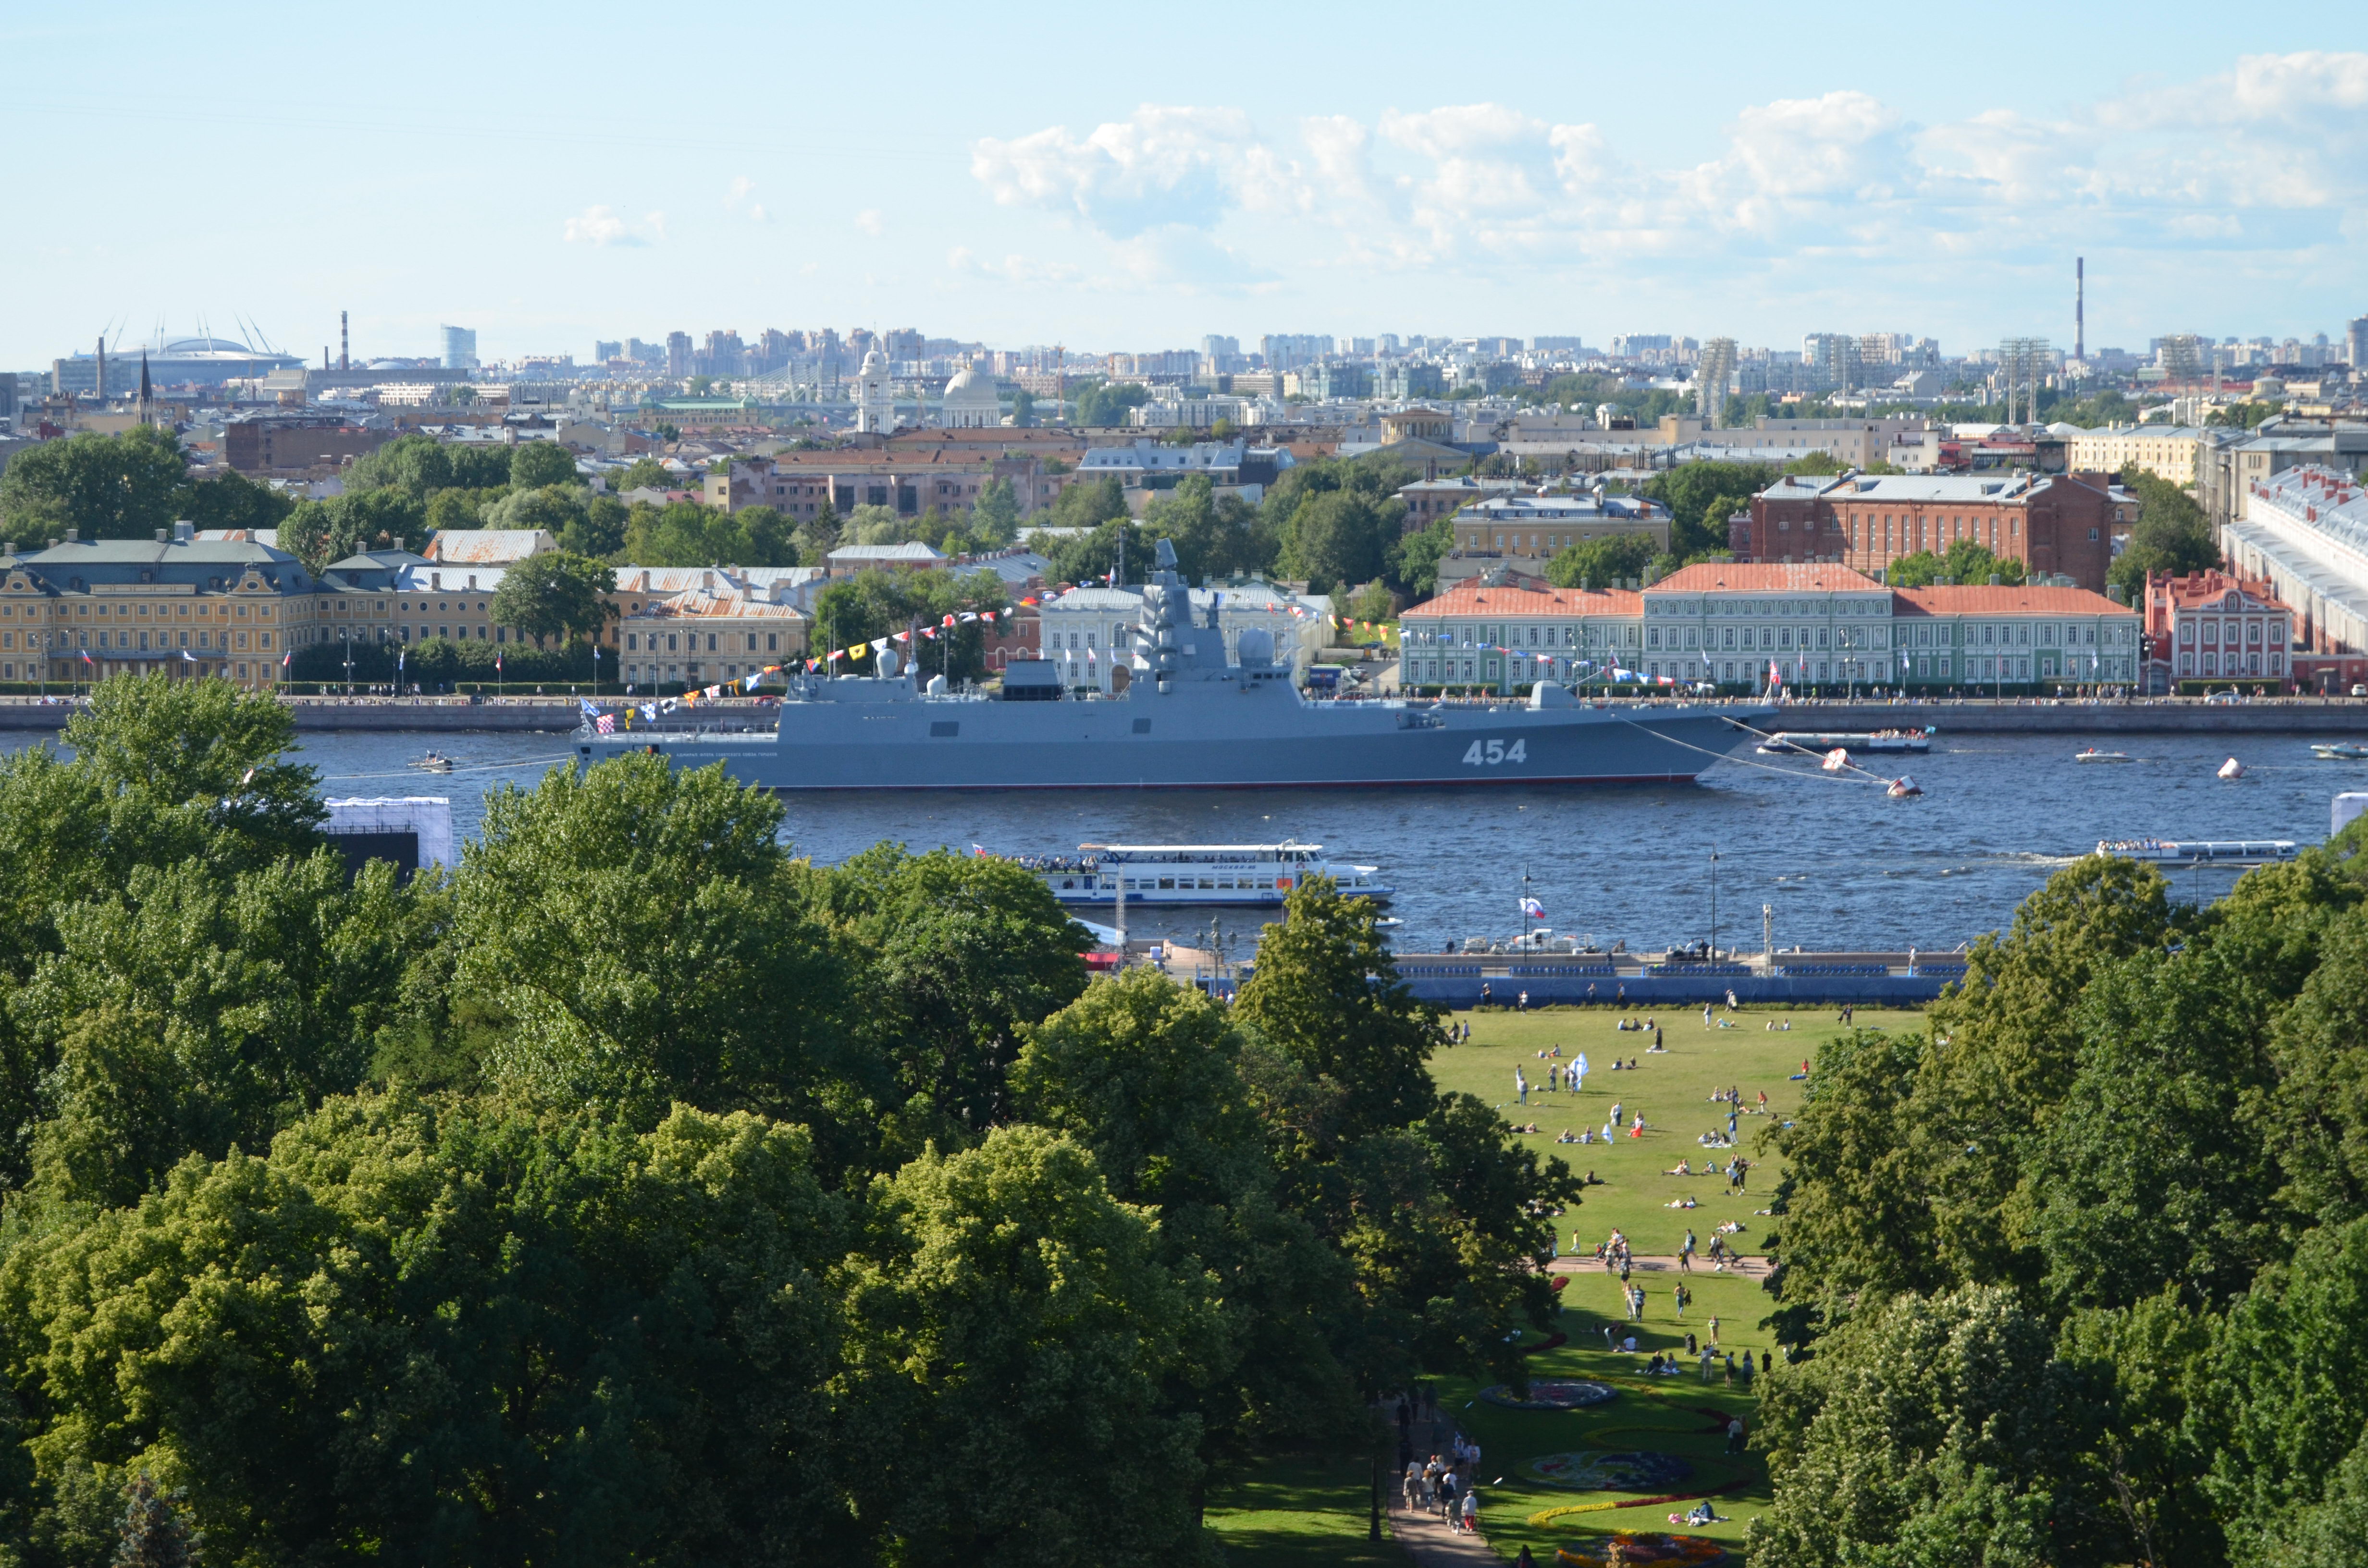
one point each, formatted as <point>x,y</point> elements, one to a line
<point>1472,1512</point>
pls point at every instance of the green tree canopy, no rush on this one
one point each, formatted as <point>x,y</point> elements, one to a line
<point>121,486</point>
<point>1602,563</point>
<point>421,465</point>
<point>688,534</point>
<point>1963,562</point>
<point>555,595</point>
<point>2171,535</point>
<point>320,533</point>
<point>535,464</point>
<point>857,610</point>
<point>230,500</point>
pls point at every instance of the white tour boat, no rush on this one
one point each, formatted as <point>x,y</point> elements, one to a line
<point>1798,741</point>
<point>1173,876</point>
<point>2339,751</point>
<point>2201,851</point>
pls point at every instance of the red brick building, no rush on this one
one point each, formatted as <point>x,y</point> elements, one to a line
<point>2208,627</point>
<point>2054,523</point>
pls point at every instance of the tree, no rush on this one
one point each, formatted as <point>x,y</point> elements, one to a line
<point>188,1013</point>
<point>421,465</point>
<point>1602,563</point>
<point>871,605</point>
<point>1093,557</point>
<point>2171,535</point>
<point>1415,557</point>
<point>1089,503</point>
<point>320,533</point>
<point>1147,1074</point>
<point>555,595</point>
<point>1327,992</point>
<point>121,486</point>
<point>959,954</point>
<point>554,507</point>
<point>599,533</point>
<point>1108,404</point>
<point>1339,537</point>
<point>646,474</point>
<point>1010,1305</point>
<point>688,534</point>
<point>534,464</point>
<point>632,938</point>
<point>1214,535</point>
<point>1963,562</point>
<point>1701,496</point>
<point>1931,1432</point>
<point>457,1333</point>
<point>231,500</point>
<point>997,517</point>
<point>152,1533</point>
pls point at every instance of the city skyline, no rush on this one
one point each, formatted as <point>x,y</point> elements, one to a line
<point>1291,178</point>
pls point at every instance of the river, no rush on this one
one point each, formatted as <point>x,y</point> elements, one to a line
<point>1839,865</point>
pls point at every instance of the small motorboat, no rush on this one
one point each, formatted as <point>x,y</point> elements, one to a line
<point>2091,753</point>
<point>1904,787</point>
<point>434,762</point>
<point>2232,769</point>
<point>2339,751</point>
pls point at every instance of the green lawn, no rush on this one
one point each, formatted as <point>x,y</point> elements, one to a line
<point>1301,1511</point>
<point>1298,1511</point>
<point>1673,1415</point>
<point>1671,1090</point>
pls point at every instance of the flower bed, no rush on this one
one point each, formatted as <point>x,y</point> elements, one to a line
<point>1625,1469</point>
<point>1641,1548</point>
<point>1557,1393</point>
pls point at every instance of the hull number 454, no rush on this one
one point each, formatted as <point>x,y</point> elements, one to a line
<point>1484,754</point>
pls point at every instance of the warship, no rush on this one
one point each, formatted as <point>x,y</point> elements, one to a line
<point>1192,718</point>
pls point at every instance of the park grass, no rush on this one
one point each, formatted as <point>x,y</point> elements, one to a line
<point>1672,1091</point>
<point>1301,1511</point>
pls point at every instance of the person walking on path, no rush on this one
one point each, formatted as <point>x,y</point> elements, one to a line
<point>1686,1253</point>
<point>1470,1512</point>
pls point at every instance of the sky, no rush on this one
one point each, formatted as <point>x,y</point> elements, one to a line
<point>1133,178</point>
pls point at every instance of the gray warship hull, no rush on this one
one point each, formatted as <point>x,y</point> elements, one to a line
<point>950,744</point>
<point>1195,716</point>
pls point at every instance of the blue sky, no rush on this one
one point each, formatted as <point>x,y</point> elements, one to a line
<point>1116,178</point>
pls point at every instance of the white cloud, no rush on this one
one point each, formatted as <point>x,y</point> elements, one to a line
<point>868,220</point>
<point>599,226</point>
<point>735,200</point>
<point>2267,156</point>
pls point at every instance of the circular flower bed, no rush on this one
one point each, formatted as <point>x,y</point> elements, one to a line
<point>1623,1470</point>
<point>1642,1548</point>
<point>1561,1393</point>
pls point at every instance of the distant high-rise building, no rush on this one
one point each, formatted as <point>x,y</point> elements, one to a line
<point>459,347</point>
<point>604,352</point>
<point>639,353</point>
<point>2183,356</point>
<point>1711,377</point>
<point>677,354</point>
<point>2356,344</point>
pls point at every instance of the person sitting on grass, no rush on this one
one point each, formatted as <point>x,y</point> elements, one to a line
<point>1684,1168</point>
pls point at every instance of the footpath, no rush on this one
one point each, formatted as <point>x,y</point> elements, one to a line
<point>1428,1538</point>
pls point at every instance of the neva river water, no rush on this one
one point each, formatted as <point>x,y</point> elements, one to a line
<point>1841,865</point>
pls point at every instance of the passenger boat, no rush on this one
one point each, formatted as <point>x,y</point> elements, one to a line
<point>2091,753</point>
<point>434,762</point>
<point>2201,851</point>
<point>2339,751</point>
<point>1797,741</point>
<point>1197,875</point>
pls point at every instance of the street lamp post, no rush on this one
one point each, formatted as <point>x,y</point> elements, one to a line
<point>1713,901</point>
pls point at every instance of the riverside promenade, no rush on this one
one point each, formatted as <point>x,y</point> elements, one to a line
<point>2326,718</point>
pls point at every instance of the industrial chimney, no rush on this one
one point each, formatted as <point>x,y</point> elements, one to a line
<point>344,342</point>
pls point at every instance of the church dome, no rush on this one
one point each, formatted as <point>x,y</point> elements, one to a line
<point>968,389</point>
<point>875,363</point>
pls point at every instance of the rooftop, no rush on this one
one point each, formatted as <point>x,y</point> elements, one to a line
<point>1976,598</point>
<point>1765,577</point>
<point>1473,596</point>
